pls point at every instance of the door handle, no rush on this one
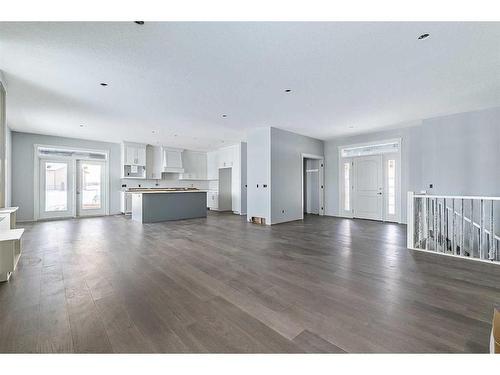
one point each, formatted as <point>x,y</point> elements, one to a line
<point>379,193</point>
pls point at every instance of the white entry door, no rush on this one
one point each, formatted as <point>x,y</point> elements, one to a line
<point>56,189</point>
<point>368,187</point>
<point>90,191</point>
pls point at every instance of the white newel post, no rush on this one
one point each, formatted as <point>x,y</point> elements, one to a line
<point>410,225</point>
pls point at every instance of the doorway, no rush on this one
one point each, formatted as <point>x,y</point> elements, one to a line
<point>369,181</point>
<point>312,185</point>
<point>70,183</point>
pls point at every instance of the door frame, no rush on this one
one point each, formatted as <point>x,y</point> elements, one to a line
<point>398,158</point>
<point>321,191</point>
<point>73,159</point>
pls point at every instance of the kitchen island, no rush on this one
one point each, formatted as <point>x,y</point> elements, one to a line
<point>155,205</point>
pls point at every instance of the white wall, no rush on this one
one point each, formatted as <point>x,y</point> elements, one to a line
<point>243,187</point>
<point>8,167</point>
<point>259,173</point>
<point>286,172</point>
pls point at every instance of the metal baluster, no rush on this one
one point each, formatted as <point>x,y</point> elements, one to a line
<point>453,244</point>
<point>462,227</point>
<point>427,230</point>
<point>492,235</point>
<point>471,229</point>
<point>481,229</point>
<point>444,237</point>
<point>436,214</point>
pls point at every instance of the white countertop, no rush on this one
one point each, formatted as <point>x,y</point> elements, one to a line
<point>166,191</point>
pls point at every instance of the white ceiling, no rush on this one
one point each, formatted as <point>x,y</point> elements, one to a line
<point>177,79</point>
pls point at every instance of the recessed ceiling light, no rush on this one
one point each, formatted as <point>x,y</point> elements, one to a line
<point>288,90</point>
<point>139,22</point>
<point>423,36</point>
<point>103,84</point>
<point>224,116</point>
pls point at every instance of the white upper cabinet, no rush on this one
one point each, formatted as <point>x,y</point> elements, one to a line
<point>226,157</point>
<point>134,154</point>
<point>195,165</point>
<point>133,160</point>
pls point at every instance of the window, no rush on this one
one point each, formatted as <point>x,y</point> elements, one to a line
<point>377,149</point>
<point>347,187</point>
<point>391,187</point>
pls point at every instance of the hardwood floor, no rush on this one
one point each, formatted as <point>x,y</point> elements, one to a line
<point>223,285</point>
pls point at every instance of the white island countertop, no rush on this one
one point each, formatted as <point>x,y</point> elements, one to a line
<point>164,191</point>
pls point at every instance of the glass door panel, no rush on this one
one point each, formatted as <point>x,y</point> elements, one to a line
<point>90,190</point>
<point>56,189</point>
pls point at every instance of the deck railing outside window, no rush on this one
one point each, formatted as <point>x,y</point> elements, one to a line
<point>463,226</point>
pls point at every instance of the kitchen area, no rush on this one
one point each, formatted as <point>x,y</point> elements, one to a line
<point>161,183</point>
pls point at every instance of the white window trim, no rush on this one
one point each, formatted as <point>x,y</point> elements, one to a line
<point>36,174</point>
<point>341,160</point>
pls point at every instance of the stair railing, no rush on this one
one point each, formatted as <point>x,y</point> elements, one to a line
<point>462,226</point>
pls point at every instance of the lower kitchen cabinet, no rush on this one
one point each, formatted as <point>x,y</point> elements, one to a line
<point>213,200</point>
<point>125,203</point>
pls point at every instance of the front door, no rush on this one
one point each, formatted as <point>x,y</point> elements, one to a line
<point>90,192</point>
<point>56,189</point>
<point>368,187</point>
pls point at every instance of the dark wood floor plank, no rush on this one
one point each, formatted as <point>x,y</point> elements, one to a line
<point>312,343</point>
<point>220,284</point>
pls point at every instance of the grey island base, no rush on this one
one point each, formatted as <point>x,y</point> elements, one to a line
<point>156,206</point>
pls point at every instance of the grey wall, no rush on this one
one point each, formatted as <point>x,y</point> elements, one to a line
<point>23,169</point>
<point>286,172</point>
<point>458,154</point>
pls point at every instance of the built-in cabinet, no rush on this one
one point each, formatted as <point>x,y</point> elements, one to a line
<point>195,165</point>
<point>232,158</point>
<point>133,163</point>
<point>213,200</point>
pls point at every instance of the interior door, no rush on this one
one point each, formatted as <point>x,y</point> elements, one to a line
<point>56,189</point>
<point>90,192</point>
<point>368,187</point>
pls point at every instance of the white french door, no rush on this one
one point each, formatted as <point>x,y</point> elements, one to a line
<point>56,189</point>
<point>368,187</point>
<point>90,188</point>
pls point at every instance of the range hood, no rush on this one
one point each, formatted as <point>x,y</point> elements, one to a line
<point>172,160</point>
